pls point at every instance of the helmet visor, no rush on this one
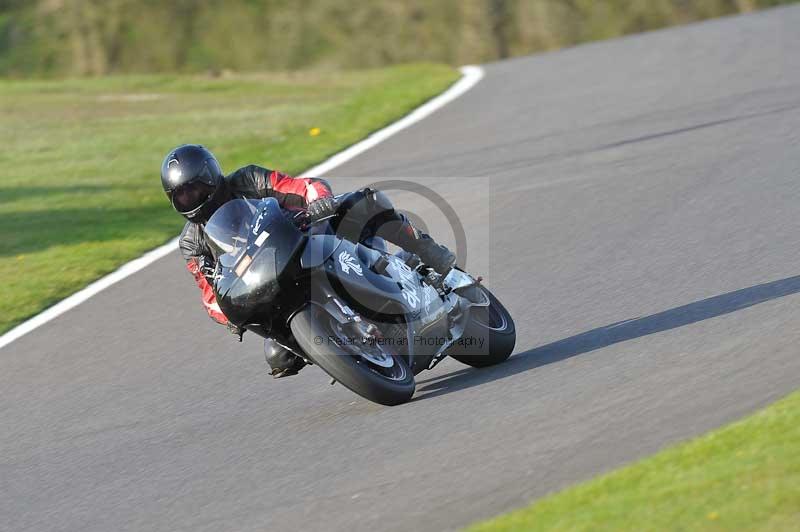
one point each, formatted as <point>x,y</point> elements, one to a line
<point>190,196</point>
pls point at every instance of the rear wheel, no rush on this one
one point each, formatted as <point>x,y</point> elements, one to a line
<point>373,371</point>
<point>490,335</point>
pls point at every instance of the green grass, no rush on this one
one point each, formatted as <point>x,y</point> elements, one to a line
<point>80,192</point>
<point>745,476</point>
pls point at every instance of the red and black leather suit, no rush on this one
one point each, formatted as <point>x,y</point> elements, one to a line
<point>249,182</point>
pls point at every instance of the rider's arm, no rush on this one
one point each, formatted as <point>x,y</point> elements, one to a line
<point>197,256</point>
<point>291,192</point>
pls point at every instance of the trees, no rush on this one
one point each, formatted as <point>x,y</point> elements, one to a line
<point>96,37</point>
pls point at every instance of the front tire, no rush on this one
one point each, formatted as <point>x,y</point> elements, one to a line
<point>493,325</point>
<point>312,331</point>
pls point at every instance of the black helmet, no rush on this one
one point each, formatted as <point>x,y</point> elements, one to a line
<point>193,181</point>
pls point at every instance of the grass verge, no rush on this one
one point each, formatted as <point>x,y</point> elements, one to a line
<point>79,191</point>
<point>745,476</point>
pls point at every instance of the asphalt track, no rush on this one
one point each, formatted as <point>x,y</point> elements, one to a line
<point>642,220</point>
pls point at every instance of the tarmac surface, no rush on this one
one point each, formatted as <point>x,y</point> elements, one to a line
<point>633,202</point>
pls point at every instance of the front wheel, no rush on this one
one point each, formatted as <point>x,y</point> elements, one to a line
<point>370,371</point>
<point>490,335</point>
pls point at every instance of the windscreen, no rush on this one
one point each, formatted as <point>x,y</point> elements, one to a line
<point>229,227</point>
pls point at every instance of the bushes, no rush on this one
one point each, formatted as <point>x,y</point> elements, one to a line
<point>94,37</point>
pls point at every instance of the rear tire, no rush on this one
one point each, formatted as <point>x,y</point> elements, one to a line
<point>492,324</point>
<point>312,333</point>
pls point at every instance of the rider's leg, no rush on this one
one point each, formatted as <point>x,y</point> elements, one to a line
<point>402,232</point>
<point>370,212</point>
<point>282,362</point>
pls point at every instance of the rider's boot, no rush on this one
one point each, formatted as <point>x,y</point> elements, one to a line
<point>432,254</point>
<point>374,214</point>
<point>282,362</point>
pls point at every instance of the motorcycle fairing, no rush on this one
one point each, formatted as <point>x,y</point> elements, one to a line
<point>398,291</point>
<point>247,287</point>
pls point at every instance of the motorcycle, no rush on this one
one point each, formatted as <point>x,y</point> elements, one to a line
<point>369,318</point>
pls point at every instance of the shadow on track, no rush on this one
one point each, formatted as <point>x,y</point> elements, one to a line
<point>610,335</point>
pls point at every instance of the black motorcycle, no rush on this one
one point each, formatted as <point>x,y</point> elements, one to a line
<point>369,318</point>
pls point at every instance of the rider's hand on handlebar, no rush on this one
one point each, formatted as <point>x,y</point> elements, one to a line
<point>320,209</point>
<point>207,267</point>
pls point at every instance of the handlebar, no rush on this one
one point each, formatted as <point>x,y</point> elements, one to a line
<point>301,217</point>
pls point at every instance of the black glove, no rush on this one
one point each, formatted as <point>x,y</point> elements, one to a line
<point>320,209</point>
<point>207,267</point>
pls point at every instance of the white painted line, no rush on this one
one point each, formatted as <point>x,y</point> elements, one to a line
<point>470,76</point>
<point>79,297</point>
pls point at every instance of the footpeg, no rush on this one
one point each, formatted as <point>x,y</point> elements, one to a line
<point>434,279</point>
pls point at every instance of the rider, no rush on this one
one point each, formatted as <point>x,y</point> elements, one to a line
<point>196,187</point>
